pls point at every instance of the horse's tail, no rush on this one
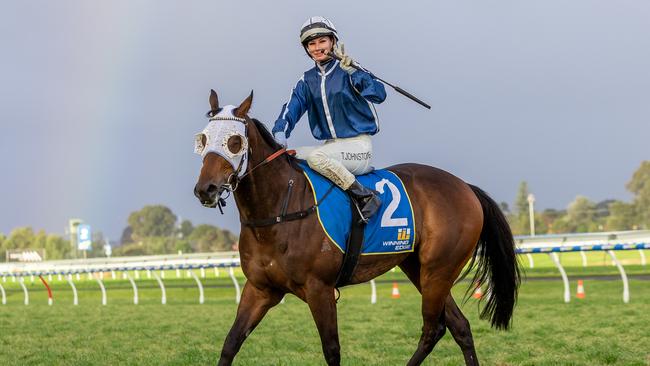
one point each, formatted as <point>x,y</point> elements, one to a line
<point>496,263</point>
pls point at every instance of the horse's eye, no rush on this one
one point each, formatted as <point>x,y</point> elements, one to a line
<point>235,144</point>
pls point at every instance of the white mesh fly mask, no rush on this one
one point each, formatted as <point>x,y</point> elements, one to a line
<point>220,134</point>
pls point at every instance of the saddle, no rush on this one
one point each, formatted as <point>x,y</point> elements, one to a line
<point>387,232</point>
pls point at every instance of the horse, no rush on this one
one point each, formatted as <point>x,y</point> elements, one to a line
<point>457,222</point>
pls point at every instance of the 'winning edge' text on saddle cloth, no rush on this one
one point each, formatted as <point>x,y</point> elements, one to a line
<point>391,230</point>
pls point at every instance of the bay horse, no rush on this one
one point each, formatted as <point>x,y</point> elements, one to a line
<point>456,222</point>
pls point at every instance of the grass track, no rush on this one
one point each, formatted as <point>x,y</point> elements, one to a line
<point>599,330</point>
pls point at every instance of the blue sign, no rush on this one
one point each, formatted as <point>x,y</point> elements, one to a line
<point>84,237</point>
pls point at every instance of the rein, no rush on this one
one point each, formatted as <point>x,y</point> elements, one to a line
<point>232,183</point>
<point>233,180</point>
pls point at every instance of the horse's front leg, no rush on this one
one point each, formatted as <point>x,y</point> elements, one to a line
<point>322,304</point>
<point>253,306</point>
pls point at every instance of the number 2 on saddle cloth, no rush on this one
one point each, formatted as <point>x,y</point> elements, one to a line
<point>390,231</point>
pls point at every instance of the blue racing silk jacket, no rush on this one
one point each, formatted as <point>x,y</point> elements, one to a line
<point>338,104</point>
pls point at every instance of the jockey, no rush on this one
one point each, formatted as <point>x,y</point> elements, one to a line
<point>339,101</point>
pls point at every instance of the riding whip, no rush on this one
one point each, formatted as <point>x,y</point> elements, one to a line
<point>395,87</point>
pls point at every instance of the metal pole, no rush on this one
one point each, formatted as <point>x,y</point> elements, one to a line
<point>22,284</point>
<point>75,299</point>
<point>642,257</point>
<point>234,281</point>
<point>4,296</point>
<point>135,288</point>
<point>198,283</point>
<point>567,290</point>
<point>163,299</point>
<point>531,262</point>
<point>49,290</point>
<point>626,287</point>
<point>101,286</point>
<point>531,213</point>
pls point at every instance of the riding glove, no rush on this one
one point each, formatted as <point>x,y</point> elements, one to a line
<point>346,61</point>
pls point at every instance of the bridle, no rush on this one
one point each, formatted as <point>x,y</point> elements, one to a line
<point>219,144</point>
<point>233,180</point>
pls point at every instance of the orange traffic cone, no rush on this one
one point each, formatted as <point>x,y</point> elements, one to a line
<point>395,293</point>
<point>581,290</point>
<point>478,293</point>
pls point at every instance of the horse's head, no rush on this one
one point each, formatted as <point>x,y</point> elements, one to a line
<point>223,145</point>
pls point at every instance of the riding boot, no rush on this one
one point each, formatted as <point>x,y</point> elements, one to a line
<point>367,200</point>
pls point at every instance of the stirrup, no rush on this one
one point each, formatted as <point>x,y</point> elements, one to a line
<point>362,219</point>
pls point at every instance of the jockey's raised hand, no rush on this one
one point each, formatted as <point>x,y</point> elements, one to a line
<point>346,61</point>
<point>281,138</point>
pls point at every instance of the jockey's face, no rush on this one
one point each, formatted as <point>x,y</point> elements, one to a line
<point>319,47</point>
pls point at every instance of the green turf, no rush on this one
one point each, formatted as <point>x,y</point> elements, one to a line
<point>599,330</point>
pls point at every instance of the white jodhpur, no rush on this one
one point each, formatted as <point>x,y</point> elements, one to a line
<point>339,160</point>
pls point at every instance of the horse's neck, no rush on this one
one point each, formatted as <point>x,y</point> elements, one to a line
<point>261,193</point>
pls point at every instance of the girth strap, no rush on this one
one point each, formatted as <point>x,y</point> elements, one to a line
<point>354,244</point>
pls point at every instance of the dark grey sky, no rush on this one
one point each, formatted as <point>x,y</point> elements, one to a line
<point>100,101</point>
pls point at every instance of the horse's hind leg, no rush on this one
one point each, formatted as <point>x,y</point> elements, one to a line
<point>253,306</point>
<point>459,328</point>
<point>434,292</point>
<point>453,318</point>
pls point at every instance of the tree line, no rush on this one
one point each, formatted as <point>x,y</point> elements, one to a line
<point>152,230</point>
<point>584,215</point>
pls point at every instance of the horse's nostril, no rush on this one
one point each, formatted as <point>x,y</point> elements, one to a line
<point>212,189</point>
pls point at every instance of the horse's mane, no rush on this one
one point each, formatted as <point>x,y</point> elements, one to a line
<point>266,134</point>
<point>270,140</point>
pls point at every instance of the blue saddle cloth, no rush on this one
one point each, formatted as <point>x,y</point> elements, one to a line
<point>390,230</point>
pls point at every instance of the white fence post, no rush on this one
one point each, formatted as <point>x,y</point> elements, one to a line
<point>135,288</point>
<point>163,298</point>
<point>531,262</point>
<point>101,286</point>
<point>626,288</point>
<point>22,284</point>
<point>234,281</point>
<point>373,292</point>
<point>4,296</point>
<point>567,290</point>
<point>198,283</point>
<point>75,299</point>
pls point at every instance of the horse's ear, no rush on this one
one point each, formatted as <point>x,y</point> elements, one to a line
<point>214,101</point>
<point>244,107</point>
